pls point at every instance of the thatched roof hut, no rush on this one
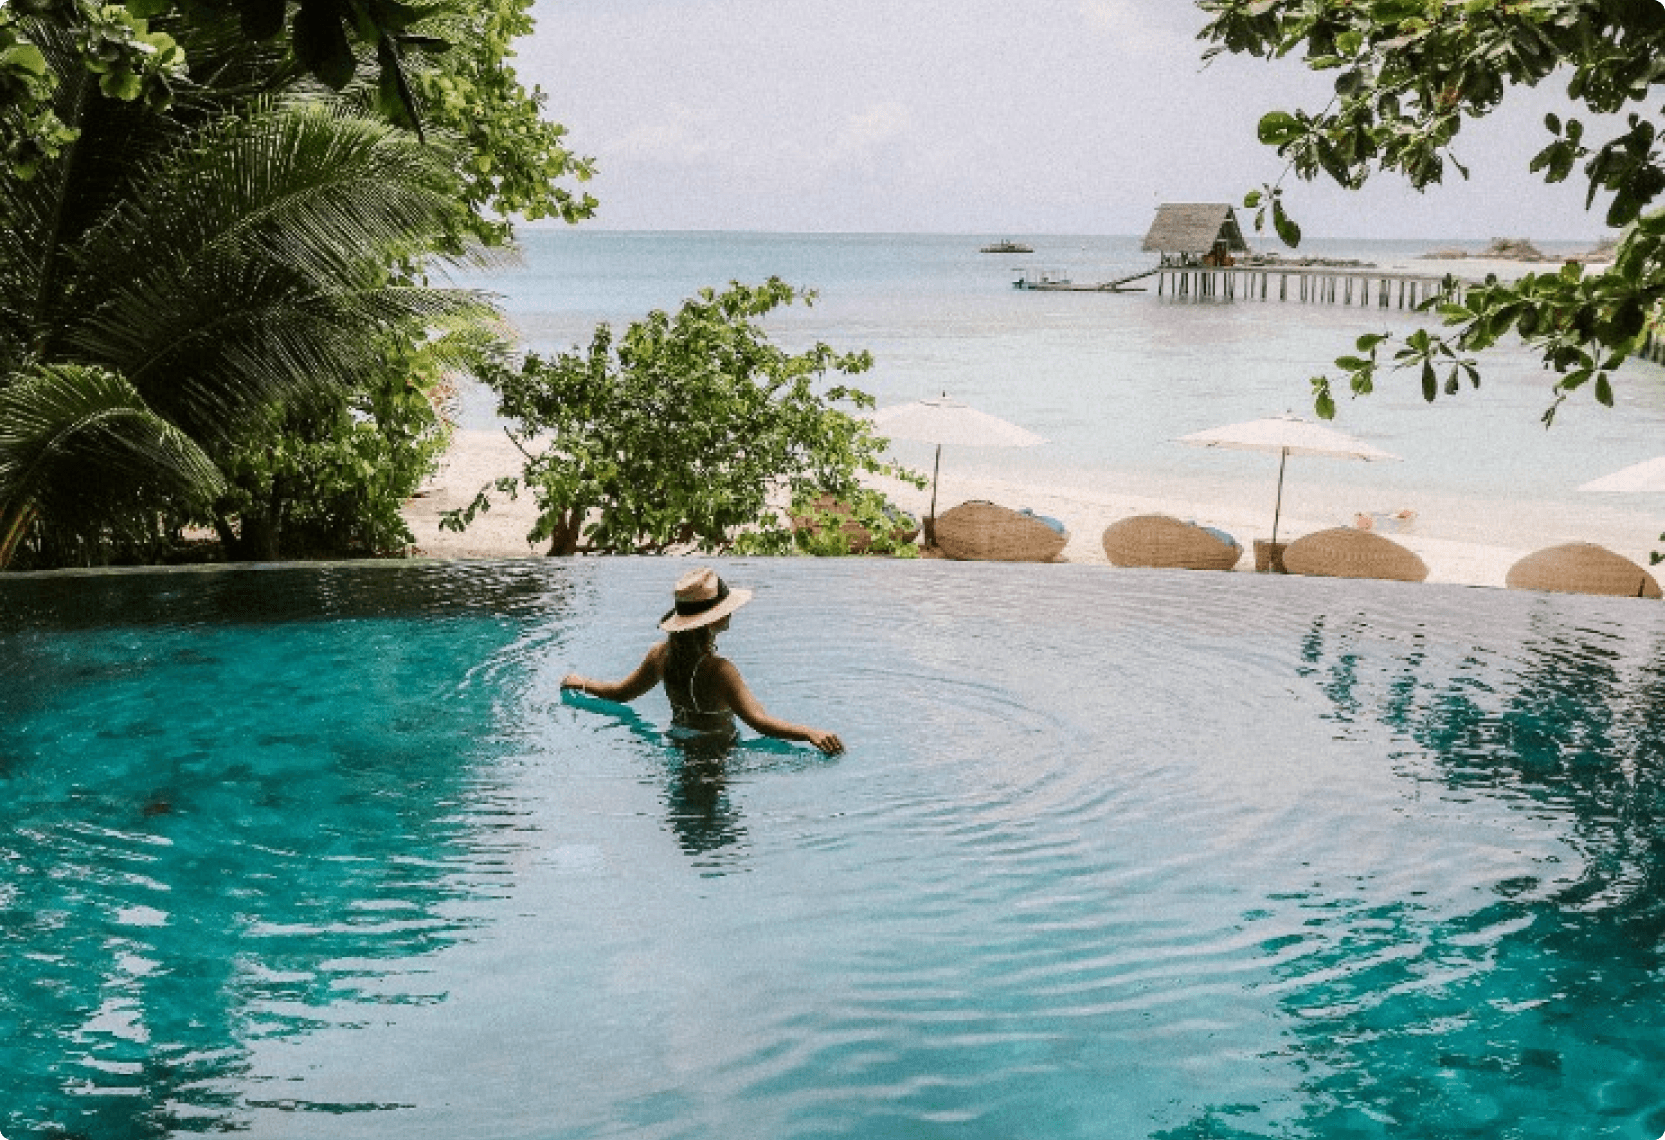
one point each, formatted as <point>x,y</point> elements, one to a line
<point>1189,232</point>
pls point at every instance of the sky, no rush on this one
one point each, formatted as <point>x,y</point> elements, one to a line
<point>998,117</point>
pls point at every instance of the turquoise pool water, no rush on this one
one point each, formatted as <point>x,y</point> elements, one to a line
<point>303,852</point>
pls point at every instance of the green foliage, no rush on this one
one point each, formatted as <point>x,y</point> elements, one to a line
<point>330,476</point>
<point>682,430</point>
<point>79,445</point>
<point>221,277</point>
<point>517,160</point>
<point>130,61</point>
<point>828,527</point>
<point>113,44</point>
<point>246,251</point>
<point>442,66</point>
<point>1408,72</point>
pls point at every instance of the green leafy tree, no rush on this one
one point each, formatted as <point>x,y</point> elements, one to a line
<point>516,162</point>
<point>131,60</point>
<point>203,275</point>
<point>443,66</point>
<point>682,431</point>
<point>317,403</point>
<point>1407,73</point>
<point>327,477</point>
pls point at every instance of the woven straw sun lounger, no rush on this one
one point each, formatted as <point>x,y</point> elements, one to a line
<point>1346,552</point>
<point>1164,541</point>
<point>979,531</point>
<point>1581,568</point>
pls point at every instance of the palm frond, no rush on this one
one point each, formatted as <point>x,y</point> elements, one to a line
<point>307,185</point>
<point>255,261</point>
<point>44,219</point>
<point>259,345</point>
<point>75,440</point>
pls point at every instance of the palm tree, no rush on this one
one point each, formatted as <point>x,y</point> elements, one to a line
<point>170,280</point>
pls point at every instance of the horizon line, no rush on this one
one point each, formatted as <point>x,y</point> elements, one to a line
<point>550,225</point>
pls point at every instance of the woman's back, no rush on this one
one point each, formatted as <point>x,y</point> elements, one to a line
<point>690,684</point>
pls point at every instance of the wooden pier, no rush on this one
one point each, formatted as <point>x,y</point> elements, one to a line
<point>1309,284</point>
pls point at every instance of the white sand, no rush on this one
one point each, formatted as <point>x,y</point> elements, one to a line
<point>474,460</point>
<point>1443,541</point>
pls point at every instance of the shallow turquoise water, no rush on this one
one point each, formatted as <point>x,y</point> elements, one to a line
<point>303,852</point>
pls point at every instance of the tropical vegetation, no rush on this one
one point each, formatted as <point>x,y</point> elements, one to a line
<point>1407,75</point>
<point>690,429</point>
<point>214,302</point>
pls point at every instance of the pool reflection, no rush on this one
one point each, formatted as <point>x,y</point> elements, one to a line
<point>1528,1008</point>
<point>184,878</point>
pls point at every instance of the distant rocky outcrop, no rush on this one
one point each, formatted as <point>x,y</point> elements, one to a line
<point>1513,249</point>
<point>1601,254</point>
<point>1521,249</point>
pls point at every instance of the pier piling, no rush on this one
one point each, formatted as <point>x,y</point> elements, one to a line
<point>1315,286</point>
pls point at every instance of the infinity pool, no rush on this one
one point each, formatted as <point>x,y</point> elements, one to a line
<point>322,852</point>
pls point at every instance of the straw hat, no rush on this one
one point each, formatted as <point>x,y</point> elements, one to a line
<point>702,598</point>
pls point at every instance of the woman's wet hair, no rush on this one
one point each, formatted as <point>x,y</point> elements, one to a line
<point>686,648</point>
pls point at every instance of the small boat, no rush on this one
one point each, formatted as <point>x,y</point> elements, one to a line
<point>1043,279</point>
<point>1007,247</point>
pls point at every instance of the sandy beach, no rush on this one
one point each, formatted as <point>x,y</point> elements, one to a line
<point>1444,540</point>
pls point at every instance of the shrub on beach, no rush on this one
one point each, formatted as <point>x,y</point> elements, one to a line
<point>682,431</point>
<point>826,526</point>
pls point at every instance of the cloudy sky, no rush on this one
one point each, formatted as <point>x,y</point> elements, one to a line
<point>971,116</point>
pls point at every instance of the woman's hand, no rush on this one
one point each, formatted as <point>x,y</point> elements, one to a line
<point>572,681</point>
<point>827,742</point>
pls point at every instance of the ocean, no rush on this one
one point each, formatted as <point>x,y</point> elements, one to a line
<point>1111,380</point>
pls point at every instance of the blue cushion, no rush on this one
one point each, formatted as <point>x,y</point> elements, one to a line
<point>1214,530</point>
<point>1047,519</point>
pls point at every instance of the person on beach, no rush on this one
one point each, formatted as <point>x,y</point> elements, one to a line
<point>706,691</point>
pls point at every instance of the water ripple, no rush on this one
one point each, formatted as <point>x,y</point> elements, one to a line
<point>1161,854</point>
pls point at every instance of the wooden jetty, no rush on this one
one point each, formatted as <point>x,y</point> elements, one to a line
<point>1197,243</point>
<point>1312,284</point>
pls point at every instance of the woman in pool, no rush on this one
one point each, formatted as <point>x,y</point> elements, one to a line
<point>706,691</point>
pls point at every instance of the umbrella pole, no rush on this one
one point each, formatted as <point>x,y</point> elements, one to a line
<point>931,519</point>
<point>1277,507</point>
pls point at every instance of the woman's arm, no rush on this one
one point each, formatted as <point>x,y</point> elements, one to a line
<point>728,683</point>
<point>647,675</point>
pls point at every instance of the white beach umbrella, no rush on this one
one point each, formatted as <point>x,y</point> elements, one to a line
<point>942,420</point>
<point>1287,435</point>
<point>1646,477</point>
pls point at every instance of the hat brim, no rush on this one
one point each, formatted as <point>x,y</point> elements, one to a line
<point>676,623</point>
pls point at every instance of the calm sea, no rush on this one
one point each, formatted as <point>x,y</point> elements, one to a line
<point>1112,379</point>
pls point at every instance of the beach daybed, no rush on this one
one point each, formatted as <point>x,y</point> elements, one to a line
<point>1345,552</point>
<point>980,531</point>
<point>1581,568</point>
<point>1164,541</point>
